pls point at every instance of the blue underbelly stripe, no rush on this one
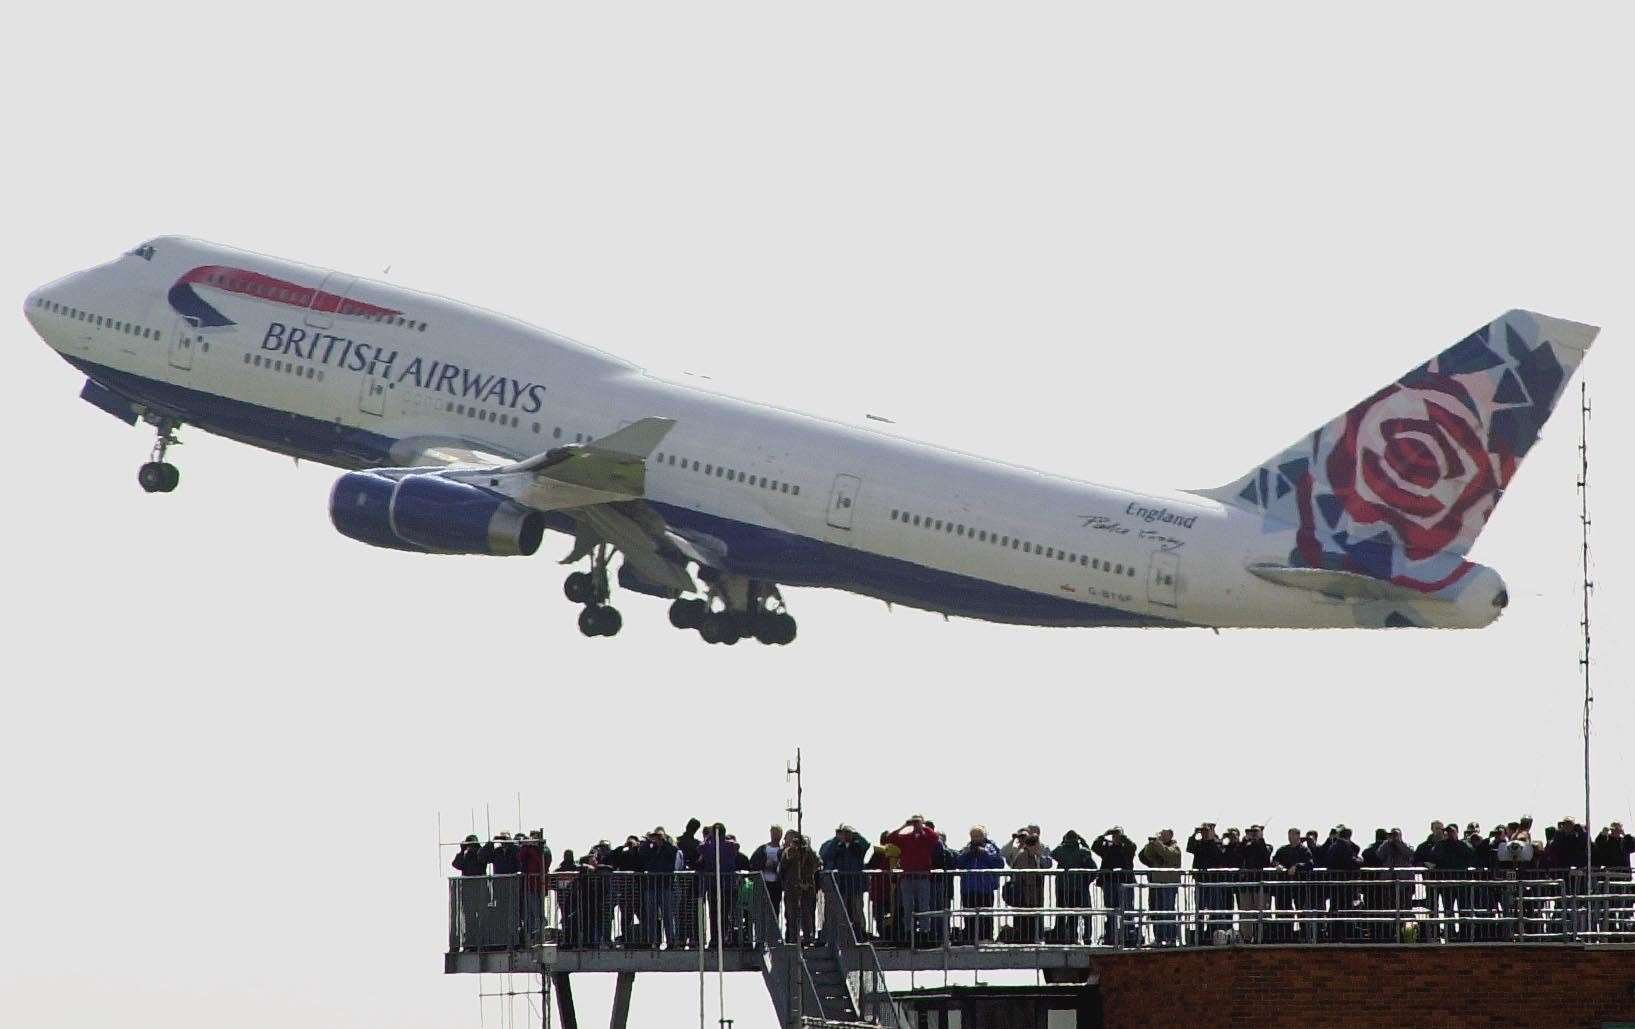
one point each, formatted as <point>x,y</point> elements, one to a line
<point>753,550</point>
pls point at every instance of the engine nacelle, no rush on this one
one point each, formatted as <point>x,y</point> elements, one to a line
<point>451,517</point>
<point>430,514</point>
<point>360,506</point>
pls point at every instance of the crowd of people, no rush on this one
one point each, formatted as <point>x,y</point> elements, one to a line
<point>1241,887</point>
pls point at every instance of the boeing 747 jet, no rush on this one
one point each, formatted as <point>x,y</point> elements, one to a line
<point>466,432</point>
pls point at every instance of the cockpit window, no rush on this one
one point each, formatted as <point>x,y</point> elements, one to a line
<point>145,252</point>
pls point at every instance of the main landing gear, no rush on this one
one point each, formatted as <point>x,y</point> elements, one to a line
<point>758,613</point>
<point>591,589</point>
<point>158,475</point>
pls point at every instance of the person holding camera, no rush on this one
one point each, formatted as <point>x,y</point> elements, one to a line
<point>843,856</point>
<point>917,846</point>
<point>977,884</point>
<point>1027,890</point>
<point>1293,861</point>
<point>1163,855</point>
<point>1117,853</point>
<point>1208,858</point>
<point>1077,864</point>
<point>1254,858</point>
<point>1613,848</point>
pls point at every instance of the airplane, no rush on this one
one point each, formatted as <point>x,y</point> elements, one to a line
<point>462,431</point>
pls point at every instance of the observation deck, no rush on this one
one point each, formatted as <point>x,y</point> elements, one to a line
<point>824,953</point>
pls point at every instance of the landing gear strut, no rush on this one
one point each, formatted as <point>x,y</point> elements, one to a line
<point>157,475</point>
<point>748,610</point>
<point>591,589</point>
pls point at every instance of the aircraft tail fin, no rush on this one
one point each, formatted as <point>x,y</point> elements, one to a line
<point>1399,486</point>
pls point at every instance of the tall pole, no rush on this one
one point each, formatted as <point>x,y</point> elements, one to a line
<point>720,941</point>
<point>1584,660</point>
<point>800,803</point>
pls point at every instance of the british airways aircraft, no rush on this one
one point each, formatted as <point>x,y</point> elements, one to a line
<point>467,432</point>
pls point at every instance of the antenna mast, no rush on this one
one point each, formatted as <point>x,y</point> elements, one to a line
<point>1584,659</point>
<point>798,807</point>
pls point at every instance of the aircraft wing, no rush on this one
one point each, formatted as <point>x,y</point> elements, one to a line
<point>600,485</point>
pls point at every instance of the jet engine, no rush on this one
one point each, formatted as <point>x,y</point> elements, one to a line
<point>431,514</point>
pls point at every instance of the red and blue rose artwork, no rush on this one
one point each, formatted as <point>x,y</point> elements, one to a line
<point>1399,486</point>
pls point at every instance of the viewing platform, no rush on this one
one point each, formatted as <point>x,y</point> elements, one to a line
<point>826,952</point>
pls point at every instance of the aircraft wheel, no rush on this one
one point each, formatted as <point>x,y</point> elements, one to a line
<point>783,628</point>
<point>590,622</point>
<point>579,587</point>
<point>157,477</point>
<point>688,614</point>
<point>608,621</point>
<point>717,628</point>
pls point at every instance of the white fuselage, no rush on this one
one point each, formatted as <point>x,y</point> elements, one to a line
<point>800,500</point>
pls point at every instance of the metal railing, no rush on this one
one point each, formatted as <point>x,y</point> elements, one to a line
<point>605,910</point>
<point>843,910</point>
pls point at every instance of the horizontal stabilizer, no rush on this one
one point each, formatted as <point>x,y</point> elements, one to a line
<point>1337,584</point>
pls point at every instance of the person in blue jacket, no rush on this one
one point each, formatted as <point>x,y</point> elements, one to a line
<point>977,884</point>
<point>843,854</point>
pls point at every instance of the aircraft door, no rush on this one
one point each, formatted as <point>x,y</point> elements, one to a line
<point>841,500</point>
<point>327,301</point>
<point>1162,576</point>
<point>372,400</point>
<point>183,339</point>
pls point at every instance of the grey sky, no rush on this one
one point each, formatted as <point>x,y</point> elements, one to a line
<point>1135,246</point>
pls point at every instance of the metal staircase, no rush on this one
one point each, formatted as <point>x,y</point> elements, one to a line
<point>813,985</point>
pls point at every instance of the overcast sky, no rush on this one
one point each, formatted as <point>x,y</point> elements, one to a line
<point>1136,246</point>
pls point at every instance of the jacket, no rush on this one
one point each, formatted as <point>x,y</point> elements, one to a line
<point>917,848</point>
<point>501,857</point>
<point>1294,858</point>
<point>1077,862</point>
<point>470,860</point>
<point>757,861</point>
<point>1030,889</point>
<point>975,856</point>
<point>1206,854</point>
<point>1157,855</point>
<point>798,869</point>
<point>1394,854</point>
<point>846,859</point>
<point>1612,851</point>
<point>1452,855</point>
<point>707,851</point>
<point>657,856</point>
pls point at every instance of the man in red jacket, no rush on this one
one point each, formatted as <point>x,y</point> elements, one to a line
<point>919,844</point>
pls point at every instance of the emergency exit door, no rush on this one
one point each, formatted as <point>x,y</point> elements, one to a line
<point>183,339</point>
<point>372,399</point>
<point>841,500</point>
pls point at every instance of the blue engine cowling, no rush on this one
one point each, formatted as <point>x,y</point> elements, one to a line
<point>428,513</point>
<point>360,506</point>
<point>454,518</point>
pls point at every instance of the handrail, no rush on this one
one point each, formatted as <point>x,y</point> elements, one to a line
<point>606,910</point>
<point>787,972</point>
<point>871,999</point>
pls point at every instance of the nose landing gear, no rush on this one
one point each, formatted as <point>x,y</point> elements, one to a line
<point>157,475</point>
